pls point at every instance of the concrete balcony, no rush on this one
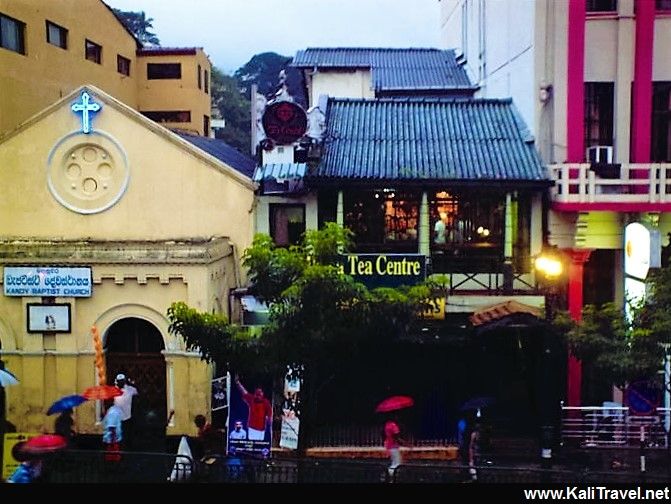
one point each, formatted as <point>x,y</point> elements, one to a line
<point>641,187</point>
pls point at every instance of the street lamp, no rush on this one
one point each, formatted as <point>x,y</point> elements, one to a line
<point>549,267</point>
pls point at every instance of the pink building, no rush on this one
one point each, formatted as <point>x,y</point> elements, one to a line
<point>592,79</point>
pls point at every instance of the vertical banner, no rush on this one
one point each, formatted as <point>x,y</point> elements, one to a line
<point>251,416</point>
<point>221,392</point>
<point>291,406</point>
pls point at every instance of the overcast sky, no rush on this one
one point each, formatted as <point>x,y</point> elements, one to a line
<point>232,31</point>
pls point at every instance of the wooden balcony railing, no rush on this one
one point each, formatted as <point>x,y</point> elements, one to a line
<point>641,183</point>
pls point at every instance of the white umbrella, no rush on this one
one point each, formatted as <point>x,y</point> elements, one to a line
<point>7,378</point>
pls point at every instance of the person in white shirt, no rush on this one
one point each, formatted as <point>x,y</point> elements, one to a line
<point>125,404</point>
<point>112,433</point>
<point>238,432</point>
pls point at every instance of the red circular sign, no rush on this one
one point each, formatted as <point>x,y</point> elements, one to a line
<point>284,122</point>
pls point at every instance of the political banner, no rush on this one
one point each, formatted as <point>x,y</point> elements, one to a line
<point>250,417</point>
<point>291,406</point>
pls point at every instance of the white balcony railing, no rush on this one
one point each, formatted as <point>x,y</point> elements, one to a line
<point>635,183</point>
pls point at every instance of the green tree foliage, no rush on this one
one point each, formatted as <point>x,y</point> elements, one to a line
<point>234,108</point>
<point>263,70</point>
<point>319,316</point>
<point>615,351</point>
<point>618,351</point>
<point>139,25</point>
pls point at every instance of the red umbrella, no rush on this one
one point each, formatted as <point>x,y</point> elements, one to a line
<point>45,443</point>
<point>394,403</point>
<point>102,392</point>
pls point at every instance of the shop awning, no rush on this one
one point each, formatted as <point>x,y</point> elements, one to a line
<point>501,310</point>
<point>280,172</point>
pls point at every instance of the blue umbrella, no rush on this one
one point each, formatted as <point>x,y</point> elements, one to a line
<point>66,403</point>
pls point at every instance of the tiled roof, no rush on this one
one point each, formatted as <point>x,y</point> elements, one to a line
<point>428,139</point>
<point>223,152</point>
<point>393,69</point>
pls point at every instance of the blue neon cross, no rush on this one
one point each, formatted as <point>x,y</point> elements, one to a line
<point>86,107</point>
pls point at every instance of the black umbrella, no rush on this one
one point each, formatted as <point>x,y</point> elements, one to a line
<point>476,403</point>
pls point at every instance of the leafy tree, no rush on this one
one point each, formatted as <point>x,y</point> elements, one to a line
<point>234,108</point>
<point>139,25</point>
<point>263,70</point>
<point>615,351</point>
<point>318,316</point>
<point>618,351</point>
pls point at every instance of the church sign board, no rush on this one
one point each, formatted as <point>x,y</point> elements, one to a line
<point>33,281</point>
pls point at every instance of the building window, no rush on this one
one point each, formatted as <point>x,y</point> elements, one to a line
<point>599,98</point>
<point>57,35</point>
<point>206,126</point>
<point>601,6</point>
<point>287,224</point>
<point>660,144</point>
<point>12,34</point>
<point>164,71</point>
<point>384,219</point>
<point>200,77</point>
<point>663,4</point>
<point>94,52</point>
<point>206,81</point>
<point>173,116</point>
<point>122,65</point>
<point>466,231</point>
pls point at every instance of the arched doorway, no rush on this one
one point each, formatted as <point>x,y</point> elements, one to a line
<point>133,347</point>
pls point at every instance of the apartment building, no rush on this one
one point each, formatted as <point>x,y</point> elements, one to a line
<point>47,49</point>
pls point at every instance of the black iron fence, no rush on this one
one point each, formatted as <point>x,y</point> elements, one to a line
<point>83,466</point>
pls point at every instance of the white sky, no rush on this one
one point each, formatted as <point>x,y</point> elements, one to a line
<point>232,31</point>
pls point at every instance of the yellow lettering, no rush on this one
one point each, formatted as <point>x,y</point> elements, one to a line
<point>378,265</point>
<point>352,259</point>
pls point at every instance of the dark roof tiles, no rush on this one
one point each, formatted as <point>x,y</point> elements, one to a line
<point>393,69</point>
<point>428,139</point>
<point>223,152</point>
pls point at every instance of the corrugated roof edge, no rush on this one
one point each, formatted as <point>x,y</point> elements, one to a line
<point>425,99</point>
<point>361,49</point>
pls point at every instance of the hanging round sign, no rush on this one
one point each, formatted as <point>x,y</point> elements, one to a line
<point>284,122</point>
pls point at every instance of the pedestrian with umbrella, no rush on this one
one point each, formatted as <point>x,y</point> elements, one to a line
<point>392,432</point>
<point>64,424</point>
<point>30,453</point>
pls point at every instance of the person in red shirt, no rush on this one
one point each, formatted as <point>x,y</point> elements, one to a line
<point>392,443</point>
<point>260,411</point>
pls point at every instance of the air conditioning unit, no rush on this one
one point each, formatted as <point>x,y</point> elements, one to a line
<point>600,154</point>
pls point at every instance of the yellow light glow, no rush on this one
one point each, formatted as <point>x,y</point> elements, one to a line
<point>549,266</point>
